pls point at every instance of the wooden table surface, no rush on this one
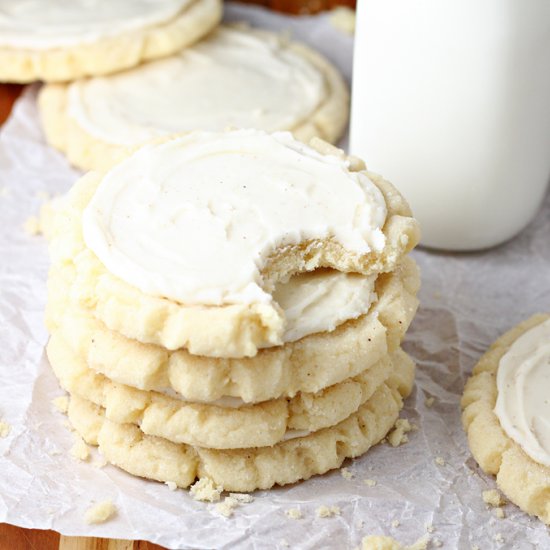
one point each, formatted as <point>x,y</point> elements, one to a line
<point>16,538</point>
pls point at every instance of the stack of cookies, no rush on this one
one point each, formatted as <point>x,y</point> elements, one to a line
<point>230,305</point>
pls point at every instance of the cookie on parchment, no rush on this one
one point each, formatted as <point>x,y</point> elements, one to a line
<point>69,40</point>
<point>237,77</point>
<point>506,411</point>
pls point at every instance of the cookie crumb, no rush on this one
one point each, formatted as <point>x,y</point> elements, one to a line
<point>346,474</point>
<point>294,513</point>
<point>493,498</point>
<point>172,485</point>
<point>242,498</point>
<point>430,528</point>
<point>440,461</point>
<point>61,403</point>
<point>79,450</point>
<point>379,542</point>
<point>5,429</point>
<point>100,512</point>
<point>284,543</point>
<point>421,543</point>
<point>499,538</point>
<point>395,523</point>
<point>437,543</point>
<point>227,507</point>
<point>360,524</point>
<point>429,401</point>
<point>499,513</point>
<point>476,547</point>
<point>32,226</point>
<point>398,435</point>
<point>342,18</point>
<point>326,512</point>
<point>370,482</point>
<point>205,491</point>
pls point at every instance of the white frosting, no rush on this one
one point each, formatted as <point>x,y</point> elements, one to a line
<point>45,24</point>
<point>523,382</point>
<point>321,300</point>
<point>196,218</point>
<point>234,78</point>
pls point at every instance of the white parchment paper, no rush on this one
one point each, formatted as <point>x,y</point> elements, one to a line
<point>467,301</point>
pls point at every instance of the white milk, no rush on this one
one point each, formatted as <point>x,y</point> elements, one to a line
<point>451,102</point>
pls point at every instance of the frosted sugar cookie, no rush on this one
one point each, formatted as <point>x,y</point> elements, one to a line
<point>227,423</point>
<point>309,364</point>
<point>127,447</point>
<point>236,77</point>
<point>507,414</point>
<point>183,243</point>
<point>67,40</point>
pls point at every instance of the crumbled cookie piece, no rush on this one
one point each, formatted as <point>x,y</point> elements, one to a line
<point>437,543</point>
<point>326,512</point>
<point>395,523</point>
<point>346,474</point>
<point>370,482</point>
<point>32,226</point>
<point>493,498</point>
<point>5,429</point>
<point>440,461</point>
<point>227,507</point>
<point>242,498</point>
<point>205,490</point>
<point>231,502</point>
<point>294,513</point>
<point>498,538</point>
<point>499,513</point>
<point>80,451</point>
<point>100,512</point>
<point>430,528</point>
<point>420,544</point>
<point>429,401</point>
<point>61,403</point>
<point>398,435</point>
<point>172,485</point>
<point>378,542</point>
<point>284,543</point>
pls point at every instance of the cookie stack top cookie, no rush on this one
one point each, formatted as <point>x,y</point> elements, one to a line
<point>228,216</point>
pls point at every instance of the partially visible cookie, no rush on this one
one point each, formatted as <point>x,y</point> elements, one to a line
<point>236,77</point>
<point>127,447</point>
<point>504,438</point>
<point>222,307</point>
<point>70,40</point>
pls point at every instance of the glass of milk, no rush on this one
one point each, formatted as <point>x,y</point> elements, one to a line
<point>451,102</point>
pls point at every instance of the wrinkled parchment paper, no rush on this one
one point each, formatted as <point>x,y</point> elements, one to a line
<point>467,300</point>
